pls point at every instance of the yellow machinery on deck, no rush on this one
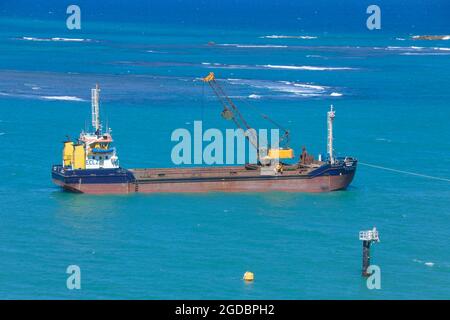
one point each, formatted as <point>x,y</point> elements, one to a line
<point>79,157</point>
<point>281,153</point>
<point>67,153</point>
<point>74,155</point>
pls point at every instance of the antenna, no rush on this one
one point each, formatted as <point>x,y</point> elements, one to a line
<point>330,118</point>
<point>95,96</point>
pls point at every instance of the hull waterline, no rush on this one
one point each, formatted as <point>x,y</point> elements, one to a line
<point>140,181</point>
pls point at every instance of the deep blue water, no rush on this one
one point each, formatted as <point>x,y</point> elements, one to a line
<point>391,96</point>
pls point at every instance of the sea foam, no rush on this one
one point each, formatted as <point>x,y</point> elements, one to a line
<point>291,88</point>
<point>62,98</point>
<point>271,66</point>
<point>56,39</point>
<point>257,46</point>
<point>288,37</point>
<point>310,68</point>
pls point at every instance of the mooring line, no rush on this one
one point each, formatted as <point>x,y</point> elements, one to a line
<point>405,172</point>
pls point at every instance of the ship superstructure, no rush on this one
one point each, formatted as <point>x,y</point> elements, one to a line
<point>91,165</point>
<point>93,149</point>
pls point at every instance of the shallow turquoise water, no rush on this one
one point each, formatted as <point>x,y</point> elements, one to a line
<point>393,112</point>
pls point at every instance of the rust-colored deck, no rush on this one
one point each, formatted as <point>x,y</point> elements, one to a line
<point>234,179</point>
<point>160,174</point>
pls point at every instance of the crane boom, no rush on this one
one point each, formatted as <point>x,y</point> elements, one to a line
<point>230,111</point>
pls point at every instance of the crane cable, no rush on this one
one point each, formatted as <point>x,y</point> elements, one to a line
<point>285,139</point>
<point>203,99</point>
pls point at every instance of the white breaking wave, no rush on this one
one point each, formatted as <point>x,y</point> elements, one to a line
<point>259,46</point>
<point>427,263</point>
<point>404,48</point>
<point>62,98</point>
<point>254,96</point>
<point>414,48</point>
<point>34,39</point>
<point>70,39</point>
<point>227,66</point>
<point>271,66</point>
<point>383,139</point>
<point>302,85</point>
<point>445,37</point>
<point>32,96</point>
<point>288,37</point>
<point>55,39</point>
<point>294,88</point>
<point>336,94</point>
<point>425,53</point>
<point>251,45</point>
<point>218,64</point>
<point>419,51</point>
<point>311,68</point>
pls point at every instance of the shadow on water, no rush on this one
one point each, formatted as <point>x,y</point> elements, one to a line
<point>102,206</point>
<point>86,212</point>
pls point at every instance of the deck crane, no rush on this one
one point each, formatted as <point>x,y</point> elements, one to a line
<point>231,112</point>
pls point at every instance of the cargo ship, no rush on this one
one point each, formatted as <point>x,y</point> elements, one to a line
<point>91,165</point>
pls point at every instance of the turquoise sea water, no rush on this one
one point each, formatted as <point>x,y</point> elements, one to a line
<point>392,110</point>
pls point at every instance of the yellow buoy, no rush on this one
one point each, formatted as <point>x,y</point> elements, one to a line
<point>249,276</point>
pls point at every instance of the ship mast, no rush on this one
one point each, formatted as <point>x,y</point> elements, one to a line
<point>95,94</point>
<point>330,118</point>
